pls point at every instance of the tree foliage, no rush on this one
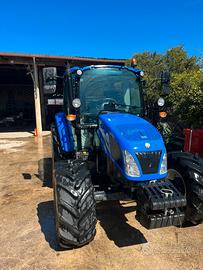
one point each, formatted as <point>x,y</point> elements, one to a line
<point>186,96</point>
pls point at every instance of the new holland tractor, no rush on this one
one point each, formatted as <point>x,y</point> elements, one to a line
<point>104,149</point>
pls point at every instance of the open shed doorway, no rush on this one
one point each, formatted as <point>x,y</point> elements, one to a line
<point>17,111</point>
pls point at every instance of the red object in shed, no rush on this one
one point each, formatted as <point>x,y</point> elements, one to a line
<point>194,141</point>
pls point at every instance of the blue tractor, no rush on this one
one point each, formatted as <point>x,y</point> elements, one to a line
<point>104,149</point>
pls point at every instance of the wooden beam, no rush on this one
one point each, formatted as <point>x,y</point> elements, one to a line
<point>37,99</point>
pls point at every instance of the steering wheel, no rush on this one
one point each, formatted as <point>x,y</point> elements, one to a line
<point>107,101</point>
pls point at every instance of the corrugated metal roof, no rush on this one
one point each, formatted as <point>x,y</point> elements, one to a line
<point>58,57</point>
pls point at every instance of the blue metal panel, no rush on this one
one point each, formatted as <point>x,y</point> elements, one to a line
<point>65,132</point>
<point>73,69</point>
<point>131,133</point>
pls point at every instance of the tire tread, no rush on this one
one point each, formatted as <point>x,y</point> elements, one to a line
<point>75,204</point>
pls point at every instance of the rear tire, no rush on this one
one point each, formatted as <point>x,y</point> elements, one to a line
<point>189,167</point>
<point>75,213</point>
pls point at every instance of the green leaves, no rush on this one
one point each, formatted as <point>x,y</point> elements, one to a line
<point>186,97</point>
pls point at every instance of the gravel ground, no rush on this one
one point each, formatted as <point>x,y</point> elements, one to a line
<point>27,227</point>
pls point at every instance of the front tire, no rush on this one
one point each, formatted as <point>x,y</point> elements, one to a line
<point>75,213</point>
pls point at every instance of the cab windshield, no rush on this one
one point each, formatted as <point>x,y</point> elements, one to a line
<point>109,89</point>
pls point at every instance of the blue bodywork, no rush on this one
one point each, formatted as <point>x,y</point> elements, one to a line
<point>65,132</point>
<point>131,133</point>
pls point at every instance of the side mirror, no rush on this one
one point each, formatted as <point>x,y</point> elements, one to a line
<point>165,82</point>
<point>49,80</point>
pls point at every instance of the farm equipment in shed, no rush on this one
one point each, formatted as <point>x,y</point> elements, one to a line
<point>104,149</point>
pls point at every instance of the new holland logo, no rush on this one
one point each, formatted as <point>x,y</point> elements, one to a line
<point>147,145</point>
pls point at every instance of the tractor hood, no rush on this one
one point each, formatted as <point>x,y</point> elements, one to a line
<point>131,132</point>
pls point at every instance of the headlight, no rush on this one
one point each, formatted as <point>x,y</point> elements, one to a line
<point>76,103</point>
<point>163,168</point>
<point>79,72</point>
<point>131,167</point>
<point>160,102</point>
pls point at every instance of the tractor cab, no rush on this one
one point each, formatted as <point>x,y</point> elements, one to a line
<point>105,88</point>
<point>95,90</point>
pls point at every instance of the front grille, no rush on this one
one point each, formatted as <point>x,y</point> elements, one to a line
<point>149,161</point>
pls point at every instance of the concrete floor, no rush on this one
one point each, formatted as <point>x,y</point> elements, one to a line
<point>25,134</point>
<point>27,238</point>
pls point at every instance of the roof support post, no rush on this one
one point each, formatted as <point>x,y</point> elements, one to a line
<point>37,99</point>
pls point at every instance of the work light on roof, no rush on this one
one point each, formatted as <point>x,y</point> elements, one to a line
<point>79,72</point>
<point>133,62</point>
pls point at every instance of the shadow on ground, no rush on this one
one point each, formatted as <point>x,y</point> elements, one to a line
<point>111,216</point>
<point>45,171</point>
<point>45,212</point>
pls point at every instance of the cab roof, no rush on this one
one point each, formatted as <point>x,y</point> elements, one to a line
<point>134,70</point>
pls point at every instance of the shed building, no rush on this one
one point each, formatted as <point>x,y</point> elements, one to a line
<point>23,106</point>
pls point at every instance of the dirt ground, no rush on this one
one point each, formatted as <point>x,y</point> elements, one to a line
<point>27,237</point>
